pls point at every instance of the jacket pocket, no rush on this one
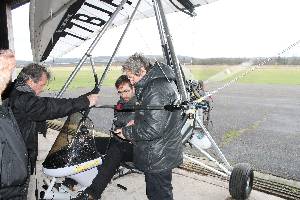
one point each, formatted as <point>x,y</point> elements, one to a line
<point>13,171</point>
<point>6,167</point>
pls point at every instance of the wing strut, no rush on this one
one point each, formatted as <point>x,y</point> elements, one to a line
<point>118,45</point>
<point>167,45</point>
<point>163,41</point>
<point>168,48</point>
<point>91,48</point>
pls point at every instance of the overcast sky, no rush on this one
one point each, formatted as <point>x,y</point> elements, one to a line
<point>226,28</point>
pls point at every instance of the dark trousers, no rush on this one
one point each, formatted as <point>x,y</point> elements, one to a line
<point>117,153</point>
<point>15,193</point>
<point>159,186</point>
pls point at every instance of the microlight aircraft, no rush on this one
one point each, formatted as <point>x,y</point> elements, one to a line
<point>57,27</point>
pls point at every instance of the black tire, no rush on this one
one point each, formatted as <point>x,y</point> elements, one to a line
<point>241,181</point>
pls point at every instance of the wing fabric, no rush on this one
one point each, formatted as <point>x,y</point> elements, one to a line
<point>57,27</point>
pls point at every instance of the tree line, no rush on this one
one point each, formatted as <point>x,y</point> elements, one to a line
<point>240,61</point>
<point>103,60</point>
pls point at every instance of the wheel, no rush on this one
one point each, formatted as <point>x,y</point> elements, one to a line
<point>241,181</point>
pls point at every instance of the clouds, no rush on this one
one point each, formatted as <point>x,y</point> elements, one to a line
<point>242,28</point>
<point>226,28</point>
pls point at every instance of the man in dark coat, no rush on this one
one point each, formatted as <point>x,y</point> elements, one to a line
<point>119,151</point>
<point>156,133</point>
<point>13,152</point>
<point>127,97</point>
<point>29,109</point>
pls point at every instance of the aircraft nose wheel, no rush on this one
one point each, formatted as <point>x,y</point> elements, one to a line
<point>241,181</point>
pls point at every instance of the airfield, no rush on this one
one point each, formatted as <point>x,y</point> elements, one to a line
<point>258,124</point>
<point>186,185</point>
<point>254,121</point>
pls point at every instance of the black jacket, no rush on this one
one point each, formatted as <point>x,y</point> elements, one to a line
<point>13,155</point>
<point>156,133</point>
<point>122,118</point>
<point>30,109</point>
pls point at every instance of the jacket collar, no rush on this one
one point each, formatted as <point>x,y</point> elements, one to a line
<point>158,70</point>
<point>23,87</point>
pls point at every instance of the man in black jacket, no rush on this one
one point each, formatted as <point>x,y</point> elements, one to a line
<point>29,109</point>
<point>156,133</point>
<point>119,150</point>
<point>13,152</point>
<point>127,97</point>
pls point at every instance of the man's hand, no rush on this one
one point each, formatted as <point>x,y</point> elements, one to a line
<point>93,99</point>
<point>130,123</point>
<point>119,133</point>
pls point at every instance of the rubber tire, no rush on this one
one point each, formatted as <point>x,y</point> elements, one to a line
<point>240,174</point>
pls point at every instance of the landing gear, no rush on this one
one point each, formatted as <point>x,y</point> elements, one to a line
<point>241,181</point>
<point>241,175</point>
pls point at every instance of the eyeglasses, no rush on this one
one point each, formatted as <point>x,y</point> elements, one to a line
<point>124,92</point>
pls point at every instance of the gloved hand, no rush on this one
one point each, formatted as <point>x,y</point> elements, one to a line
<point>96,90</point>
<point>121,107</point>
<point>93,91</point>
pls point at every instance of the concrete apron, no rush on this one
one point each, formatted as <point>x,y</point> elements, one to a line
<point>186,185</point>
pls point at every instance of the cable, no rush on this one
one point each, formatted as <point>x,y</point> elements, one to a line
<point>262,63</point>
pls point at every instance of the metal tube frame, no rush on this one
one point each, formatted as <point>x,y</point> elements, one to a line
<point>214,144</point>
<point>158,21</point>
<point>163,41</point>
<point>118,45</point>
<point>93,65</point>
<point>165,37</point>
<point>91,48</point>
<point>176,67</point>
<point>94,70</point>
<point>225,167</point>
<point>205,166</point>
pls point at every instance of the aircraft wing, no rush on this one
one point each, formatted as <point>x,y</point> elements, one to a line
<point>58,26</point>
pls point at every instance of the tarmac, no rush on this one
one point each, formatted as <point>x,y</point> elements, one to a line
<point>186,185</point>
<point>251,123</point>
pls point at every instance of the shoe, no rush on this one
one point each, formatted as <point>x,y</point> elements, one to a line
<point>83,196</point>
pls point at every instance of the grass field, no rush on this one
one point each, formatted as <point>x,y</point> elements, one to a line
<point>84,78</point>
<point>266,75</point>
<point>274,75</point>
